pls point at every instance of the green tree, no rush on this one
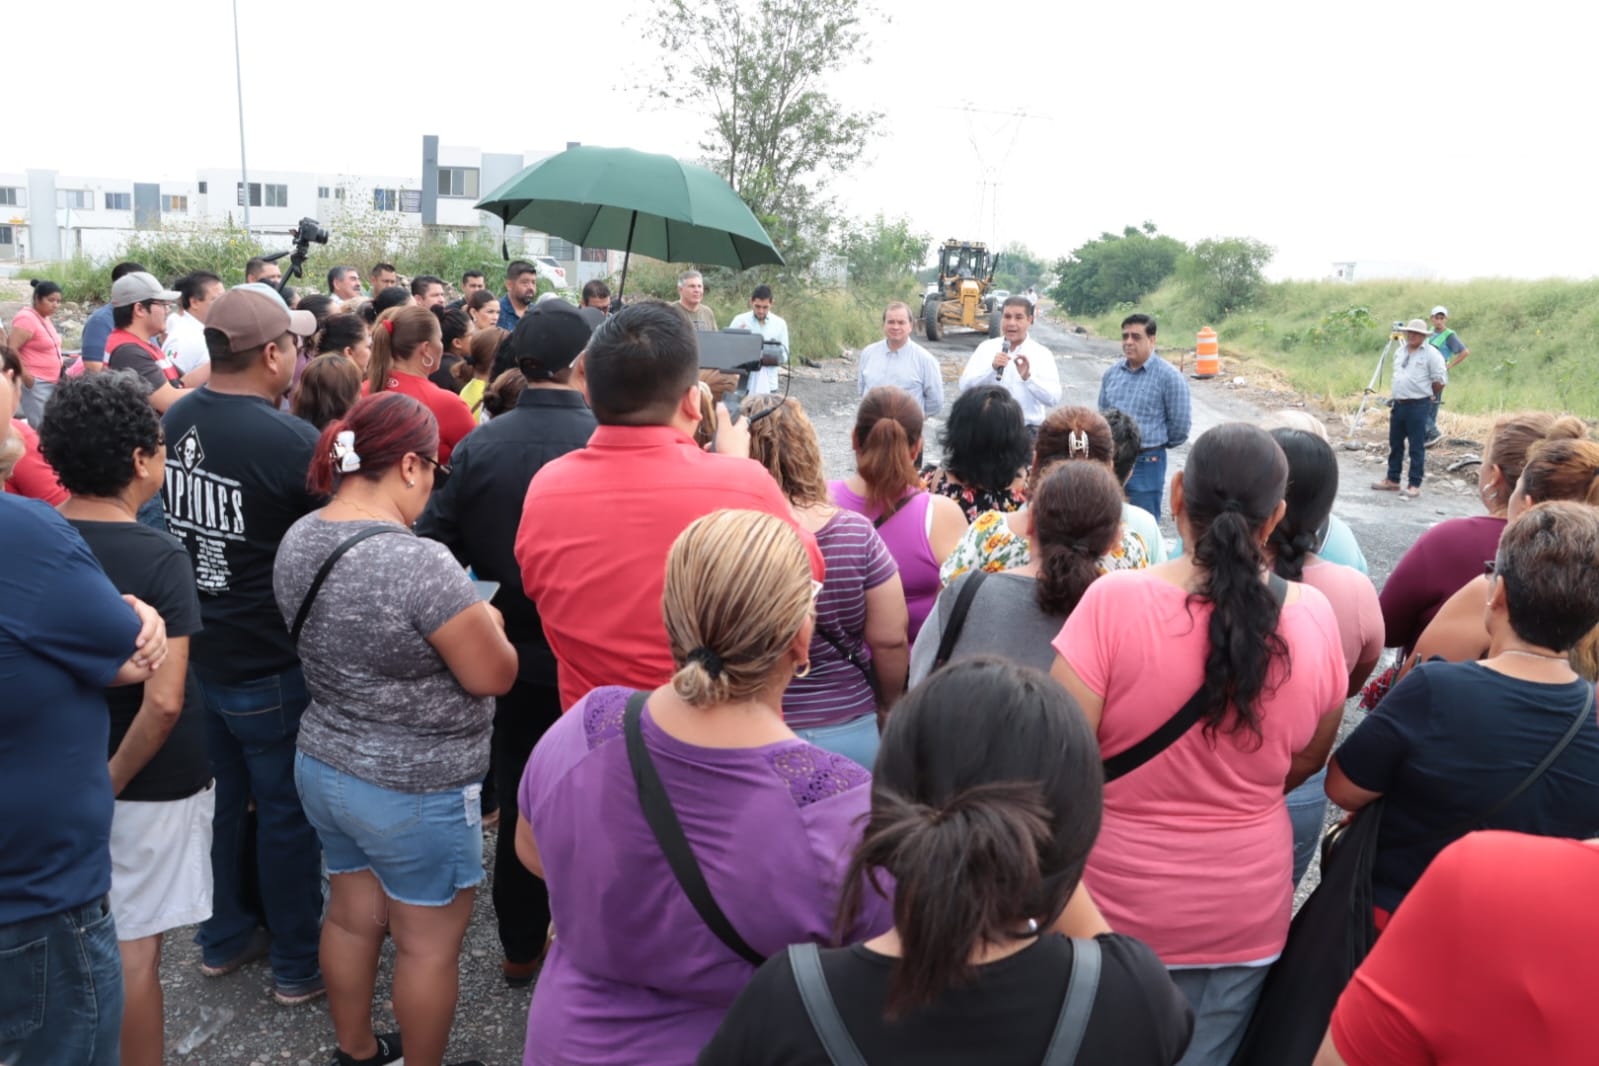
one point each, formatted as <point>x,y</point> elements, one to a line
<point>1113,269</point>
<point>883,251</point>
<point>1223,274</point>
<point>1018,267</point>
<point>761,70</point>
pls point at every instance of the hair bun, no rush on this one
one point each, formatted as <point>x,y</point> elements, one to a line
<point>1567,427</point>
<point>33,283</point>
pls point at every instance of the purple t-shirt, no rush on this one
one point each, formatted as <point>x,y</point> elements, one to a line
<point>905,534</point>
<point>634,975</point>
<point>835,690</point>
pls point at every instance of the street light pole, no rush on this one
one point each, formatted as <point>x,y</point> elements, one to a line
<point>238,74</point>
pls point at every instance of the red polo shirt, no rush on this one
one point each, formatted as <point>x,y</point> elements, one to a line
<point>596,528</point>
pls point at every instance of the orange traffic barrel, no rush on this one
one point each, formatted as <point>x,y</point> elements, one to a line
<point>1207,355</point>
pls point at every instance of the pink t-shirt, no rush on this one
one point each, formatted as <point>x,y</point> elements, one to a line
<point>1355,605</point>
<point>1195,856</point>
<point>42,354</point>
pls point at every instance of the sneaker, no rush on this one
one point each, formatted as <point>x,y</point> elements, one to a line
<point>388,1054</point>
<point>1434,438</point>
<point>292,995</point>
<point>260,943</point>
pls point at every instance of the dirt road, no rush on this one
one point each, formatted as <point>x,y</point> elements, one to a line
<point>249,1028</point>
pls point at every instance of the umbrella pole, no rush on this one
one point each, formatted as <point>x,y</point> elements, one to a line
<point>626,255</point>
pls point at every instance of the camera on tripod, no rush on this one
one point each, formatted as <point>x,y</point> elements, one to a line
<point>306,232</point>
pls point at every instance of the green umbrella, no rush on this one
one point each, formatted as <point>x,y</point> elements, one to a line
<point>637,201</point>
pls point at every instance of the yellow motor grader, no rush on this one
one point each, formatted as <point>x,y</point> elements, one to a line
<point>963,295</point>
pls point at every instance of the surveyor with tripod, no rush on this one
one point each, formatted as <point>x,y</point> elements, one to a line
<point>1419,378</point>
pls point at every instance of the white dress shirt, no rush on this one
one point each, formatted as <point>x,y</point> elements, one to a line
<point>1041,390</point>
<point>773,329</point>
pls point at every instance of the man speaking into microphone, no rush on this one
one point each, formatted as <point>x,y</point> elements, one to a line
<point>1017,362</point>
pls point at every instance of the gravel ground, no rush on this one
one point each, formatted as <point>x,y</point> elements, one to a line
<point>233,1019</point>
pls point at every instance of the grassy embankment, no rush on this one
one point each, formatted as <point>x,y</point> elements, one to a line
<point>1534,344</point>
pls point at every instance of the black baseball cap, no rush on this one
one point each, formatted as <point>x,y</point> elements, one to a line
<point>550,337</point>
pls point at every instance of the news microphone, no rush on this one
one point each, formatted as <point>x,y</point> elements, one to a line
<point>1004,347</point>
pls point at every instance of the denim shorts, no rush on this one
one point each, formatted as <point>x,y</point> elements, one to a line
<point>423,847</point>
<point>855,739</point>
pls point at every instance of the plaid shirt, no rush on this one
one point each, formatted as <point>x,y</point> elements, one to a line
<point>1155,395</point>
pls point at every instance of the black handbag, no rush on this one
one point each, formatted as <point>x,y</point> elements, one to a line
<point>1334,931</point>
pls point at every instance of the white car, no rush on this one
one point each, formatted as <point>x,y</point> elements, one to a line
<point>549,268</point>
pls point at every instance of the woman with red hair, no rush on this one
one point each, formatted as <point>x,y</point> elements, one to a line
<point>402,660</point>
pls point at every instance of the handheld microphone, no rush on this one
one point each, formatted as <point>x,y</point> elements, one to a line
<point>1005,348</point>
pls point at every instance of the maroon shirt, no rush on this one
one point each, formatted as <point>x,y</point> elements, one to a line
<point>1436,567</point>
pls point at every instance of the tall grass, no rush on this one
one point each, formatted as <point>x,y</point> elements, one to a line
<point>1533,343</point>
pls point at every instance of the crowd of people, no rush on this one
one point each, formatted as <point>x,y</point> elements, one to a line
<point>959,761</point>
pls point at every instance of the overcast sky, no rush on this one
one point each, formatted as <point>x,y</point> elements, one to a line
<point>1446,139</point>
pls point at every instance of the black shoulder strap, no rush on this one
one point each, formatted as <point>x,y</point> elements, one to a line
<point>957,616</point>
<point>1081,990</point>
<point>821,1008</point>
<point>1172,729</point>
<point>327,568</point>
<point>1463,827</point>
<point>669,835</point>
<point>877,523</point>
<point>862,664</point>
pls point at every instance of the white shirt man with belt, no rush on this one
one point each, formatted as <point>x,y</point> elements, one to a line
<point>1017,362</point>
<point>899,361</point>
<point>1419,376</point>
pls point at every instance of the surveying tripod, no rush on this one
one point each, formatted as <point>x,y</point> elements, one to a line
<point>1395,338</point>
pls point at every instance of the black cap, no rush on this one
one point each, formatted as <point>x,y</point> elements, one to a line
<point>550,336</point>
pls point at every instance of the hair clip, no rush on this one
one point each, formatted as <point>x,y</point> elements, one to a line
<point>1077,442</point>
<point>344,454</point>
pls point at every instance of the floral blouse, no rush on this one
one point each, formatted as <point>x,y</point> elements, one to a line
<point>990,545</point>
<point>973,502</point>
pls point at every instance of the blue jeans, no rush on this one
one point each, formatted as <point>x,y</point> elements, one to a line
<point>1432,413</point>
<point>1307,810</point>
<point>1147,482</point>
<point>856,739</point>
<point>251,728</point>
<point>1407,424</point>
<point>1223,999</point>
<point>61,989</point>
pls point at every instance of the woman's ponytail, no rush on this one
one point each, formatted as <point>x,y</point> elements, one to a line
<point>887,425</point>
<point>1076,514</point>
<point>959,871</point>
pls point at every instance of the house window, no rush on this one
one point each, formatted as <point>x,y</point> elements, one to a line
<point>174,203</point>
<point>338,194</point>
<point>11,195</point>
<point>277,196</point>
<point>594,255</point>
<point>562,249</point>
<point>255,193</point>
<point>458,181</point>
<point>119,201</point>
<point>386,199</point>
<point>202,188</point>
<point>7,236</point>
<point>76,199</point>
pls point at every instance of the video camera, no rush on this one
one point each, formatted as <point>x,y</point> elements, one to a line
<point>306,232</point>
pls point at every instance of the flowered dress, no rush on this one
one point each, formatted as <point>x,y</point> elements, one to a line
<point>990,545</point>
<point>973,502</point>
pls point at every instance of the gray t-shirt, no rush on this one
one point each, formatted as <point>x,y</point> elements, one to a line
<point>1004,620</point>
<point>384,705</point>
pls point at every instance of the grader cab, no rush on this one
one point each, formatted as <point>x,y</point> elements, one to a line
<point>963,294</point>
